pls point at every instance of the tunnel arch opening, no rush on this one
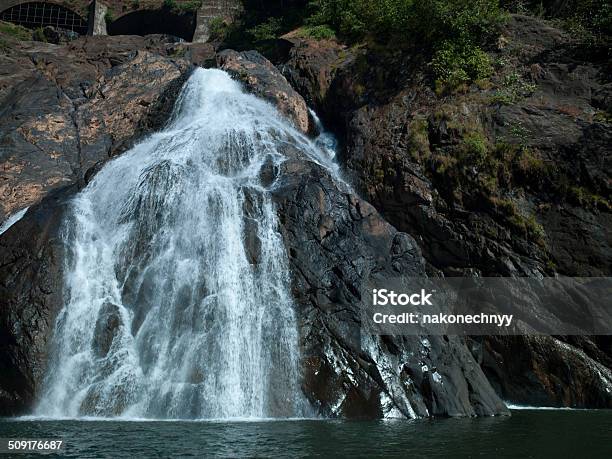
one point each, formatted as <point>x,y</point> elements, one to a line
<point>146,22</point>
<point>41,14</point>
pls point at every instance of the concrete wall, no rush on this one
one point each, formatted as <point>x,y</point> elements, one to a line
<point>96,10</point>
<point>97,20</point>
<point>227,10</point>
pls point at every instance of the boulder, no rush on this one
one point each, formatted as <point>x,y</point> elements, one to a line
<point>311,67</point>
<point>263,79</point>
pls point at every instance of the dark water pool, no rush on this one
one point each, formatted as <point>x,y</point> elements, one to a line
<point>527,433</point>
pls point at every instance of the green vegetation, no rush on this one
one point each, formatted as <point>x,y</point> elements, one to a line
<point>603,117</point>
<point>457,64</point>
<point>39,35</point>
<point>526,225</point>
<point>183,7</point>
<point>189,7</point>
<point>177,52</point>
<point>481,176</point>
<point>217,28</point>
<point>453,34</point>
<point>268,30</point>
<point>513,89</point>
<point>9,32</point>
<point>589,19</point>
<point>15,31</point>
<point>583,197</point>
<point>318,32</point>
<point>454,31</point>
<point>108,17</point>
<point>432,21</point>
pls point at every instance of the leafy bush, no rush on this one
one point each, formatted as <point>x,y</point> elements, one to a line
<point>169,4</point>
<point>15,31</point>
<point>39,35</point>
<point>268,30</point>
<point>457,63</point>
<point>514,88</point>
<point>434,20</point>
<point>320,32</point>
<point>217,28</point>
<point>455,31</point>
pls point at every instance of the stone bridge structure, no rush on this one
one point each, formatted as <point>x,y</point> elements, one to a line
<point>187,19</point>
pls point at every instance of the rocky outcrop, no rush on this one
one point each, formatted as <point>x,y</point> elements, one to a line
<point>263,79</point>
<point>506,177</point>
<point>31,295</point>
<point>67,108</point>
<point>339,247</point>
<point>311,66</point>
<point>547,371</point>
<point>450,174</point>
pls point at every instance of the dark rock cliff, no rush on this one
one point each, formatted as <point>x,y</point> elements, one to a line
<point>31,294</point>
<point>338,244</point>
<point>505,177</point>
<point>66,108</point>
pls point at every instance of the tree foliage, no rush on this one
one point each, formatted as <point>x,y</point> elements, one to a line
<point>431,21</point>
<point>454,31</point>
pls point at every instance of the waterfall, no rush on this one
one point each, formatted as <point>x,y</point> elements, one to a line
<point>325,139</point>
<point>177,289</point>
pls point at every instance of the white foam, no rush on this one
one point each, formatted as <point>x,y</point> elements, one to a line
<point>512,406</point>
<point>12,220</point>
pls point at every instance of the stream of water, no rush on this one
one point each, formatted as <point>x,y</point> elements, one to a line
<point>177,287</point>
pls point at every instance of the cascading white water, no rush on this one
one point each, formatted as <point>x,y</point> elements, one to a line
<point>177,285</point>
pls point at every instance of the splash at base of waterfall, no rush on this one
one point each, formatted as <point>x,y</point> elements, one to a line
<point>177,285</point>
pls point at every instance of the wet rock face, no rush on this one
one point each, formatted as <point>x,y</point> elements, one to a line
<point>30,298</point>
<point>109,321</point>
<point>547,371</point>
<point>71,108</point>
<point>263,79</point>
<point>338,244</point>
